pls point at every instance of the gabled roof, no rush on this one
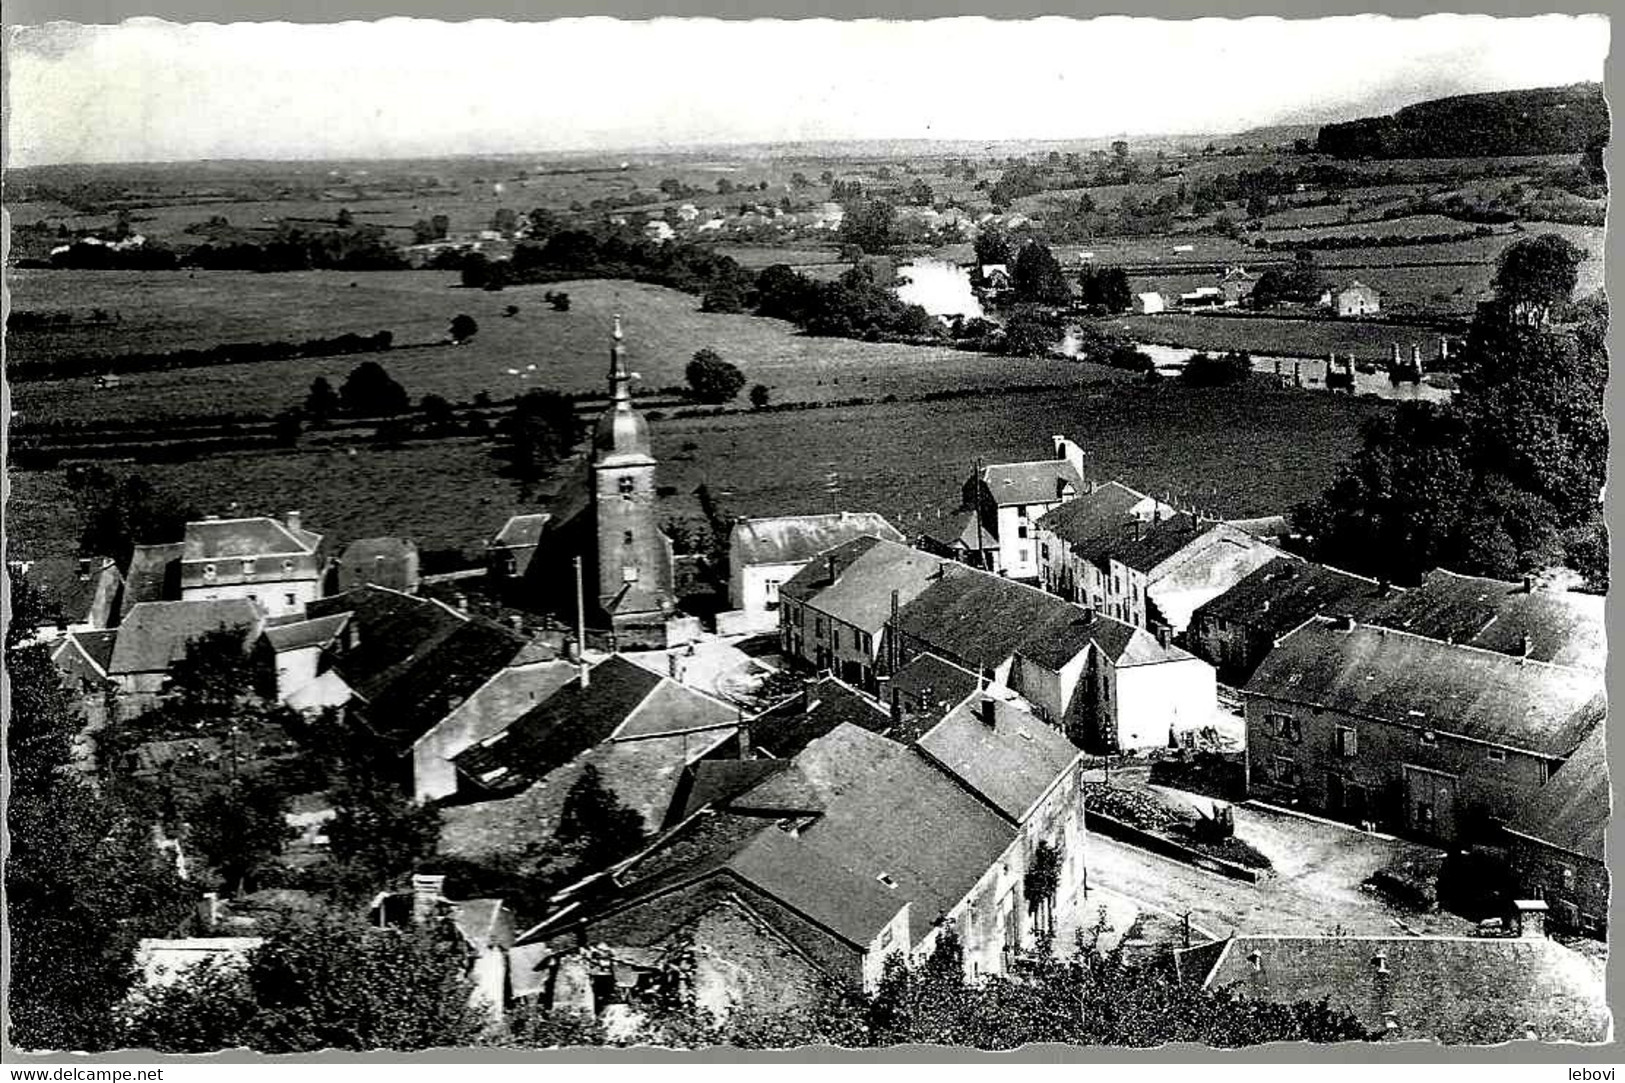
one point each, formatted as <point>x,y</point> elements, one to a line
<point>306,633</point>
<point>1030,482</point>
<point>1091,514</point>
<point>1147,546</point>
<point>786,728</point>
<point>507,695</point>
<point>227,539</point>
<point>932,685</point>
<point>1009,764</point>
<point>154,635</point>
<point>713,782</point>
<point>622,702</point>
<point>961,530</point>
<point>867,570</point>
<point>1464,989</point>
<point>1287,591</point>
<point>979,620</point>
<point>422,692</point>
<point>1571,811</point>
<point>795,539</point>
<point>367,550</point>
<point>1422,683</point>
<point>393,629</point>
<point>522,530</point>
<point>1562,626</point>
<point>154,575</point>
<point>95,646</point>
<point>66,593</point>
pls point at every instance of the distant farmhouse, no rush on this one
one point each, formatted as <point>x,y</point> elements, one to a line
<point>1355,299</point>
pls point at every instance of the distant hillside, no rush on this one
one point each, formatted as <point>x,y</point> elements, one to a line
<point>1554,120</point>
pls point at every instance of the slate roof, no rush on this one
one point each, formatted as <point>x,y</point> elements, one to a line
<point>154,635</point>
<point>97,645</point>
<point>1287,591</point>
<point>154,575</point>
<point>226,539</point>
<point>930,683</point>
<point>711,782</point>
<point>65,593</point>
<point>1010,764</point>
<point>1145,548</point>
<point>1268,527</point>
<point>963,530</point>
<point>1461,989</point>
<point>1563,626</point>
<point>794,539</point>
<point>1422,683</point>
<point>786,728</point>
<point>622,702</point>
<point>978,619</point>
<point>1030,482</point>
<point>421,692</point>
<point>1571,811</point>
<point>1092,513</point>
<point>522,530</point>
<point>306,633</point>
<point>392,629</point>
<point>366,550</point>
<point>868,569</point>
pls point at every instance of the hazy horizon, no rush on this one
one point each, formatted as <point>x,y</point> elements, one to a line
<point>152,92</point>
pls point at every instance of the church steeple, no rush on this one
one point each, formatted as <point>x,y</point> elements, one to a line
<point>620,380</point>
<point>622,435</point>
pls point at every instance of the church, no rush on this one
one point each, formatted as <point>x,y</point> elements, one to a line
<point>626,560</point>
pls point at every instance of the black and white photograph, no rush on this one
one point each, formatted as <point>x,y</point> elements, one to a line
<point>768,533</point>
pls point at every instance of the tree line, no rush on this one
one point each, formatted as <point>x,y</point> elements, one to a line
<point>226,353</point>
<point>1557,120</point>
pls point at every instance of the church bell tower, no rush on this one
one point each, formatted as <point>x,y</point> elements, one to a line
<point>634,559</point>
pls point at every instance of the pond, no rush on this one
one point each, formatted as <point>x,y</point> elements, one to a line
<point>938,286</point>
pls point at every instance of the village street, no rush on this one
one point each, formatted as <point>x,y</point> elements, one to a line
<point>1314,889</point>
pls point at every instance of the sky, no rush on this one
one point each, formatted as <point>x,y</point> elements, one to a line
<point>149,90</point>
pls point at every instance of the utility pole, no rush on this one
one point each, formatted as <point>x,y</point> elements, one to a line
<point>581,622</point>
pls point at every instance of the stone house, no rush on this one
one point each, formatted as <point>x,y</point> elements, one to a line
<point>764,554</point>
<point>857,849</point>
<point>1009,498</point>
<point>77,594</point>
<point>1355,299</point>
<point>1555,841</point>
<point>1100,510</point>
<point>155,635</point>
<point>1235,286</point>
<point>277,565</point>
<point>389,562</point>
<point>1432,739</point>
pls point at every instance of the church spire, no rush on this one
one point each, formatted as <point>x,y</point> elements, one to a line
<point>620,380</point>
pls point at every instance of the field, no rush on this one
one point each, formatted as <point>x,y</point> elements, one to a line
<point>1286,338</point>
<point>570,349</point>
<point>1243,451</point>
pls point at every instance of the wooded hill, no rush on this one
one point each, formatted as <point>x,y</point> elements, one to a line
<point>1552,120</point>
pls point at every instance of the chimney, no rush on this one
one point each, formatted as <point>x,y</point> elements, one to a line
<point>1088,615</point>
<point>1529,917</point>
<point>674,667</point>
<point>1379,962</point>
<point>988,711</point>
<point>1165,636</point>
<point>84,567</point>
<point>460,602</point>
<point>1529,584</point>
<point>209,909</point>
<point>1256,961</point>
<point>1384,588</point>
<point>427,893</point>
<point>586,673</point>
<point>896,706</point>
<point>293,521</point>
<point>516,622</point>
<point>1528,646</point>
<point>745,750</point>
<point>829,566</point>
<point>1395,359</point>
<point>1345,623</point>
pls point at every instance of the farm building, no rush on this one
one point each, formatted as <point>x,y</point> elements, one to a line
<point>1433,739</point>
<point>1355,299</point>
<point>76,594</point>
<point>1149,304</point>
<point>763,554</point>
<point>995,277</point>
<point>155,635</point>
<point>1478,990</point>
<point>277,565</point>
<point>508,554</point>
<point>389,562</point>
<point>1555,841</point>
<point>857,849</point>
<point>1235,286</point>
<point>1201,297</point>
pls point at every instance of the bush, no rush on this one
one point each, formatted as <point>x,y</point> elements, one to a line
<point>711,379</point>
<point>1206,370</point>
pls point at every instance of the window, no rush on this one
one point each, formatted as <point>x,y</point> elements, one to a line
<point>1286,772</point>
<point>1043,550</point>
<point>1567,874</point>
<point>625,485</point>
<point>1348,741</point>
<point>626,538</point>
<point>1428,737</point>
<point>1284,727</point>
<point>1498,755</point>
<point>291,600</point>
<point>208,571</point>
<point>629,573</point>
<point>248,566</point>
<point>287,565</point>
<point>1021,529</point>
<point>770,592</point>
<point>818,627</point>
<point>1023,554</point>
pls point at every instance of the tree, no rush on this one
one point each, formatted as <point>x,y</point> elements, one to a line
<point>322,402</point>
<point>541,430</point>
<point>1269,290</point>
<point>868,224</point>
<point>723,297</point>
<point>437,413</point>
<point>1037,277</point>
<point>1105,287</point>
<point>782,293</point>
<point>920,193</point>
<point>369,391</point>
<point>1040,883</point>
<point>1119,149</point>
<point>240,829</point>
<point>1537,273</point>
<point>324,981</point>
<point>1206,370</point>
<point>463,328</point>
<point>596,824</point>
<point>1303,283</point>
<point>377,833</point>
<point>119,514</point>
<point>992,246</point>
<point>759,395</point>
<point>711,379</point>
<point>505,220</point>
<point>344,219</point>
<point>83,879</point>
<point>1028,335</point>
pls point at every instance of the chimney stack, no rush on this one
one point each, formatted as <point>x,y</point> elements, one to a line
<point>674,667</point>
<point>1529,584</point>
<point>1379,962</point>
<point>1529,917</point>
<point>1345,623</point>
<point>293,521</point>
<point>586,672</point>
<point>427,893</point>
<point>1384,588</point>
<point>1165,636</point>
<point>988,711</point>
<point>1528,646</point>
<point>829,566</point>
